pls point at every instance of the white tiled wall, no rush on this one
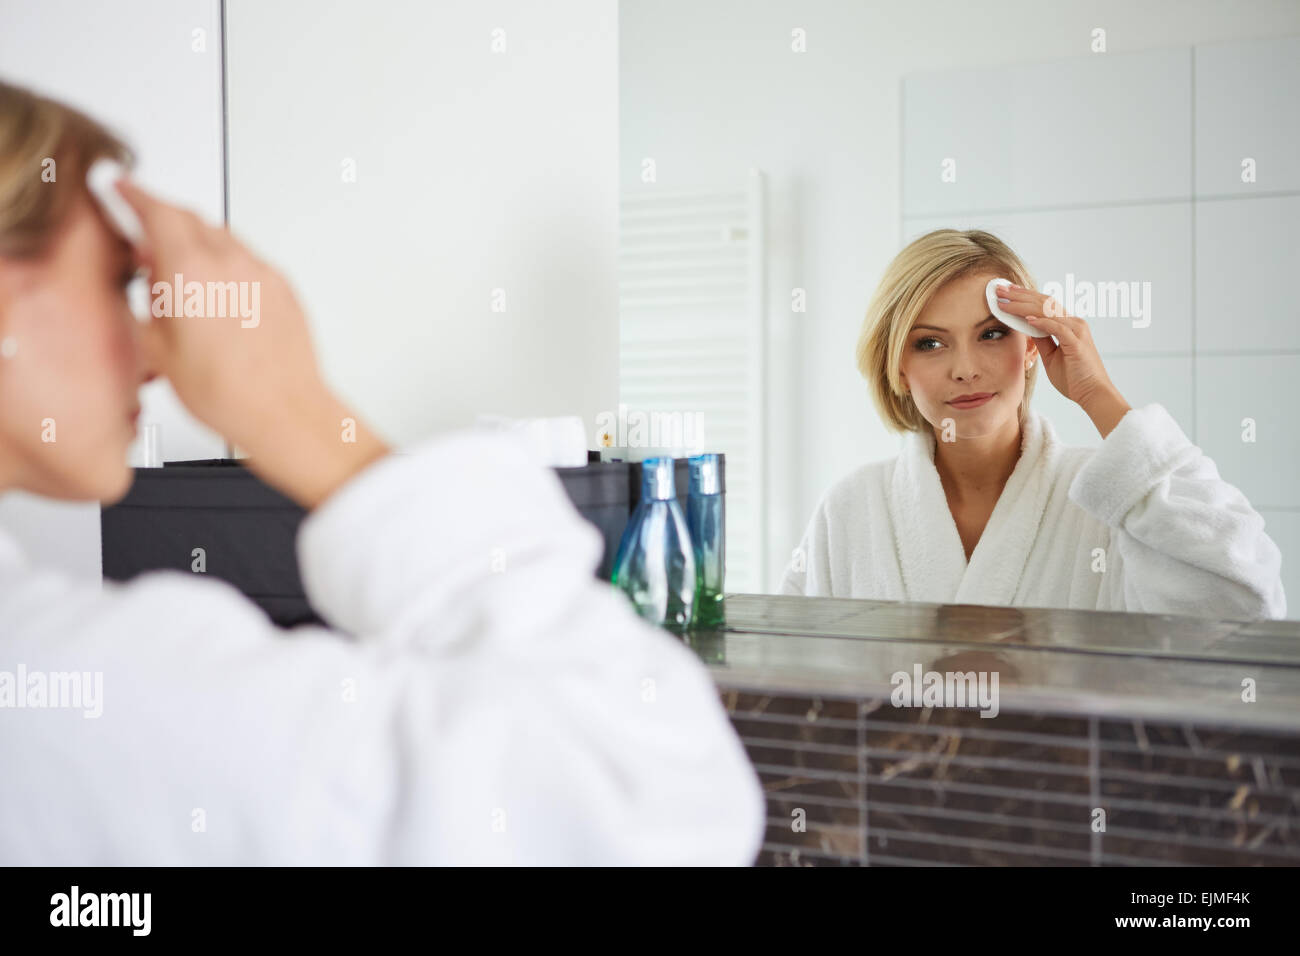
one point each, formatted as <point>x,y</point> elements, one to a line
<point>1141,380</point>
<point>1246,106</point>
<point>1110,128</point>
<point>1233,388</point>
<point>1129,168</point>
<point>1247,264</point>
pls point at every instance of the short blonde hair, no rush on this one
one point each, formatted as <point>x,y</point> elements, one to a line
<point>911,280</point>
<point>35,194</point>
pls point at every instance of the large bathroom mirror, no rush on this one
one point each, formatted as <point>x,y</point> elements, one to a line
<point>1142,160</point>
<point>490,212</point>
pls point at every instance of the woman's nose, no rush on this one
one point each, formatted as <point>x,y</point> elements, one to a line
<point>146,372</point>
<point>963,365</point>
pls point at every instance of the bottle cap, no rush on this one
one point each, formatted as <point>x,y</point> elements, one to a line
<point>705,479</point>
<point>657,479</point>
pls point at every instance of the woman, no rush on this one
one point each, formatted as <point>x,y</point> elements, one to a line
<point>984,505</point>
<point>489,702</point>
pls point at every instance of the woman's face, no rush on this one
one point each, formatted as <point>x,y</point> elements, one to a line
<point>956,349</point>
<point>70,364</point>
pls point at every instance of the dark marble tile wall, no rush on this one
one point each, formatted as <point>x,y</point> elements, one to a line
<point>878,785</point>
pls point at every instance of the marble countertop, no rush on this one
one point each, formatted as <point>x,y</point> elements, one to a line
<point>1146,666</point>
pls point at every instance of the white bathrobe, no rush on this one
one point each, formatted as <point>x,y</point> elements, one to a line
<point>500,705</point>
<point>1141,523</point>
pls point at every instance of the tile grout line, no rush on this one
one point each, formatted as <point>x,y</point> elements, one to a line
<point>1192,198</point>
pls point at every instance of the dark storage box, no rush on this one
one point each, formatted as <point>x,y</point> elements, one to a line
<point>247,530</point>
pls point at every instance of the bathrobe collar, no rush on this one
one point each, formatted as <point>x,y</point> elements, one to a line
<point>931,557</point>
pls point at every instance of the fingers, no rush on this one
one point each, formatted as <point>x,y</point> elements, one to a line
<point>1020,296</point>
<point>1017,301</point>
<point>1054,326</point>
<point>1046,347</point>
<point>1020,307</point>
<point>1016,293</point>
<point>164,225</point>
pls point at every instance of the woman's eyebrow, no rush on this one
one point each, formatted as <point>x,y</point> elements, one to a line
<point>939,328</point>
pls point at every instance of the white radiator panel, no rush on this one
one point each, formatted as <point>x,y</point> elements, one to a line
<point>692,337</point>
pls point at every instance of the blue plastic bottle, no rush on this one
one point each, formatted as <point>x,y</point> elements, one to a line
<point>704,520</point>
<point>655,565</point>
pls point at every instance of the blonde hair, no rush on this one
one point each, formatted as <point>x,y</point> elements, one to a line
<point>45,150</point>
<point>911,280</point>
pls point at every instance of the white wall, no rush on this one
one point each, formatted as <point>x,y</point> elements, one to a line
<point>709,90</point>
<point>475,170</point>
<point>133,65</point>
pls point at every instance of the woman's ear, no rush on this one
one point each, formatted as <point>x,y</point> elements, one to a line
<point>1031,355</point>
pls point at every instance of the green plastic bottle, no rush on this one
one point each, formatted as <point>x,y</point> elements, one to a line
<point>704,519</point>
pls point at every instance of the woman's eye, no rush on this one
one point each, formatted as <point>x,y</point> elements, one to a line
<point>924,345</point>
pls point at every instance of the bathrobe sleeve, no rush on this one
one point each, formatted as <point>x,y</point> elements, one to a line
<point>495,704</point>
<point>1188,542</point>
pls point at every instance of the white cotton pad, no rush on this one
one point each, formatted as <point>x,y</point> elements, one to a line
<point>1015,321</point>
<point>101,176</point>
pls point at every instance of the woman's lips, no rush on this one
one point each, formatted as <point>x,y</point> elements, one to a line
<point>973,402</point>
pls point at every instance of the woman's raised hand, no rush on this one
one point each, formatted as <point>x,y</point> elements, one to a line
<point>228,332</point>
<point>1072,361</point>
<point>236,354</point>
